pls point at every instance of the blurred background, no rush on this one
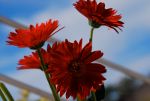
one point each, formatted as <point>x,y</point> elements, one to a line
<point>130,48</point>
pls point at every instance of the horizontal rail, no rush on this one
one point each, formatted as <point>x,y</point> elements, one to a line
<point>124,70</point>
<point>11,23</point>
<point>106,62</point>
<point>22,85</point>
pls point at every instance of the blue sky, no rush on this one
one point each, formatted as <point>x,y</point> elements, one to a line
<point>26,8</point>
<point>130,47</point>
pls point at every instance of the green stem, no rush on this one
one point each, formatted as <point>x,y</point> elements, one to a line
<point>78,99</point>
<point>2,96</point>
<point>5,92</point>
<point>93,96</point>
<point>91,34</point>
<point>91,38</point>
<point>55,94</point>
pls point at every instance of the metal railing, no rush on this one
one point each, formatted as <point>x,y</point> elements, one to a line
<point>27,87</point>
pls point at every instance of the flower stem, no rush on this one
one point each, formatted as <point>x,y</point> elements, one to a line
<point>93,96</point>
<point>90,39</point>
<point>5,93</point>
<point>2,96</point>
<point>91,34</point>
<point>55,94</point>
<point>78,99</point>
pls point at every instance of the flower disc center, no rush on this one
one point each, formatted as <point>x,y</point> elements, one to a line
<point>74,67</point>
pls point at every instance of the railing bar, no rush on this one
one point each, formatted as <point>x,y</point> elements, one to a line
<point>22,85</point>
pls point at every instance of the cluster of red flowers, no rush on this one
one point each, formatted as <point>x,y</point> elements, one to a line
<point>71,66</point>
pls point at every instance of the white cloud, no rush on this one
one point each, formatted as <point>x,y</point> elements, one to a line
<point>140,18</point>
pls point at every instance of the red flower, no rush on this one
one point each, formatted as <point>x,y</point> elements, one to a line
<point>72,69</point>
<point>33,61</point>
<point>34,37</point>
<point>98,15</point>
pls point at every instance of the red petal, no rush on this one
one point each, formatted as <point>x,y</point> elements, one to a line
<point>93,56</point>
<point>86,50</point>
<point>95,67</point>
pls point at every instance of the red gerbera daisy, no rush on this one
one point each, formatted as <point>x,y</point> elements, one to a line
<point>72,69</point>
<point>33,61</point>
<point>34,37</point>
<point>98,15</point>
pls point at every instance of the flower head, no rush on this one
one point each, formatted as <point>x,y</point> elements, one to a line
<point>34,37</point>
<point>33,61</point>
<point>98,15</point>
<point>72,68</point>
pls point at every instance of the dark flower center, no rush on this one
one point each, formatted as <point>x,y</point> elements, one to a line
<point>37,46</point>
<point>94,24</point>
<point>74,67</point>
